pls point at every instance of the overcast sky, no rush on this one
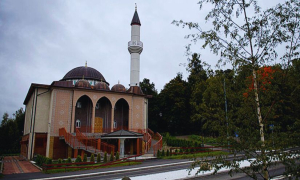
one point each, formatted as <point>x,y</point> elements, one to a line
<point>40,41</point>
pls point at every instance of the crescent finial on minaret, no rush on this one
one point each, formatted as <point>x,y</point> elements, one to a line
<point>135,7</point>
<point>85,63</point>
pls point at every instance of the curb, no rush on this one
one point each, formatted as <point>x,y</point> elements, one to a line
<point>113,172</point>
<point>33,163</point>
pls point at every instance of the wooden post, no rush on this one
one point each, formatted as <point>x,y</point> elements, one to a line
<point>99,144</point>
<point>75,153</point>
<point>138,146</point>
<point>82,154</point>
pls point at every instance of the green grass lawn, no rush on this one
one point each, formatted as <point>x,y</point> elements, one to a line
<point>52,171</point>
<point>196,155</point>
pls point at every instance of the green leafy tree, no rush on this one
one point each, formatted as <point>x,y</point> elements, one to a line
<point>148,88</point>
<point>251,42</point>
<point>174,115</point>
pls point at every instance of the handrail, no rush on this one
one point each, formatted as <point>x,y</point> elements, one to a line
<point>92,142</point>
<point>158,144</point>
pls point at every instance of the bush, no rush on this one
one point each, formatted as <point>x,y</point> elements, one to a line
<point>69,160</point>
<point>180,151</point>
<point>98,158</point>
<point>59,161</point>
<point>158,153</point>
<point>105,157</point>
<point>111,157</point>
<point>78,159</point>
<point>176,151</point>
<point>92,158</point>
<point>163,153</point>
<point>84,158</point>
<point>168,152</point>
<point>40,160</point>
<point>117,155</point>
<point>49,161</point>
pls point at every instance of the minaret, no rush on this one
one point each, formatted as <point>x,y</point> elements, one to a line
<point>135,48</point>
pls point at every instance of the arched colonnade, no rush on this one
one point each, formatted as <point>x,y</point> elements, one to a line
<point>100,115</point>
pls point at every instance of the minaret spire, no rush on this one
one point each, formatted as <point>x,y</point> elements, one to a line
<point>135,48</point>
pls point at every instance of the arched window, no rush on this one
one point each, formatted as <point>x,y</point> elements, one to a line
<point>78,123</point>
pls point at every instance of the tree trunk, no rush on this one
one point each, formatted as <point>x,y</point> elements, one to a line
<point>261,125</point>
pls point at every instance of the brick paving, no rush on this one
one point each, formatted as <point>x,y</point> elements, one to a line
<point>15,165</point>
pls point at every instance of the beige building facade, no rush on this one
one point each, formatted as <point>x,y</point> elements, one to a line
<point>73,115</point>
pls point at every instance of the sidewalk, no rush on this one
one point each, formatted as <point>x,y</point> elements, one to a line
<point>16,165</point>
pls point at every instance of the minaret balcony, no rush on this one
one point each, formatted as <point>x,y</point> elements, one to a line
<point>135,43</point>
<point>135,46</point>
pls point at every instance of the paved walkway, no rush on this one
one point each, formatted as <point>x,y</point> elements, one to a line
<point>16,165</point>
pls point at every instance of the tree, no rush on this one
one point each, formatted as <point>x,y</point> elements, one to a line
<point>153,103</point>
<point>174,103</point>
<point>251,42</point>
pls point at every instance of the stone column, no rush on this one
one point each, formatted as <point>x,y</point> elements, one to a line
<point>112,119</point>
<point>93,120</point>
<point>121,140</point>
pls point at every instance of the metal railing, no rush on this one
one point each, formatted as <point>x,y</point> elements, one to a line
<point>158,144</point>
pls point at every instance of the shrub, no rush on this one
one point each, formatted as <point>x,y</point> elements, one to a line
<point>40,160</point>
<point>105,157</point>
<point>59,161</point>
<point>158,153</point>
<point>111,157</point>
<point>49,161</point>
<point>163,153</point>
<point>92,158</point>
<point>168,152</point>
<point>176,151</point>
<point>84,158</point>
<point>78,159</point>
<point>117,155</point>
<point>63,161</point>
<point>98,158</point>
<point>69,160</point>
<point>180,151</point>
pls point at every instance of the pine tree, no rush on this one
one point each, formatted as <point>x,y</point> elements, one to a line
<point>98,158</point>
<point>92,158</point>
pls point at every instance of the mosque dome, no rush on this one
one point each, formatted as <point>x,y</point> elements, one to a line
<point>101,86</point>
<point>83,84</point>
<point>84,72</point>
<point>118,88</point>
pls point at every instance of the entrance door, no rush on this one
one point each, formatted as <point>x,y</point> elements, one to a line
<point>98,125</point>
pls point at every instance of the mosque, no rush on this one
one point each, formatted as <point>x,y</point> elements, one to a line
<point>81,114</point>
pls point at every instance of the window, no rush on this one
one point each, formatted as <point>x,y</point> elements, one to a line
<point>78,123</point>
<point>115,124</point>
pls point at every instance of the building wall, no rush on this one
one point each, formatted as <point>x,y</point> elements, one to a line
<point>61,110</point>
<point>42,111</point>
<point>28,114</point>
